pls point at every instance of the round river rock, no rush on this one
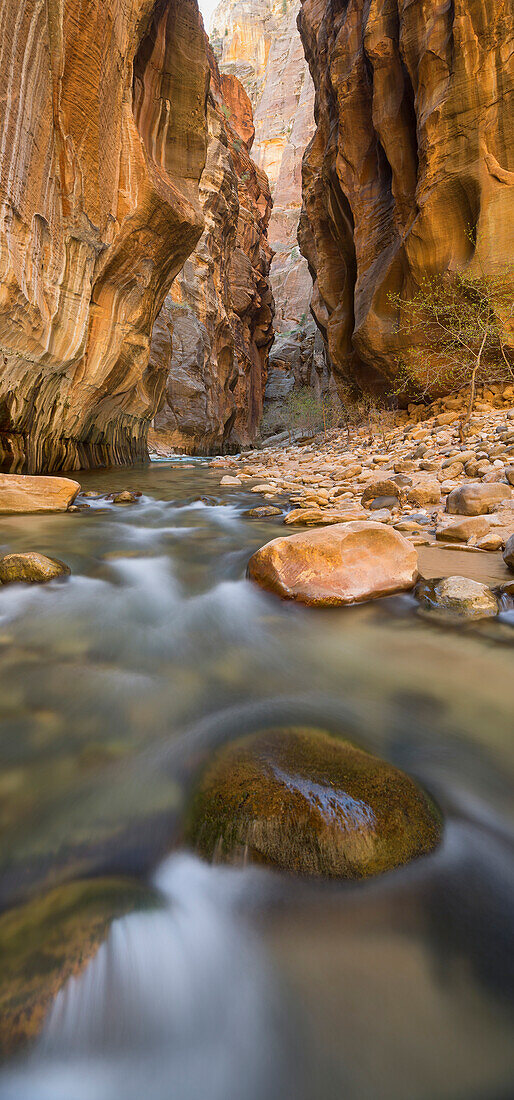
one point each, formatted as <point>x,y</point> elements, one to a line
<point>342,564</point>
<point>306,802</point>
<point>31,568</point>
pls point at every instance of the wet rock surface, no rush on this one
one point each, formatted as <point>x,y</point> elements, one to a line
<point>31,568</point>
<point>341,564</point>
<point>51,938</point>
<point>457,596</point>
<point>305,802</point>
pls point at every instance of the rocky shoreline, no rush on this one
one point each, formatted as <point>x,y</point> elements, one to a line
<point>416,474</point>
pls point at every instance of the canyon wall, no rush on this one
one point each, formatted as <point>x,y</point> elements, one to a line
<point>258,41</point>
<point>411,169</point>
<point>213,334</point>
<point>103,145</point>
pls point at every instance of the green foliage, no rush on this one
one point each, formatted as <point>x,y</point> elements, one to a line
<point>304,411</point>
<point>457,328</point>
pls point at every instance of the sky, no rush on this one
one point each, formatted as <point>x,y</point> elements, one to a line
<point>207,7</point>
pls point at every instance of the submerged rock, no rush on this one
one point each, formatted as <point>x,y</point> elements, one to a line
<point>459,596</point>
<point>21,493</point>
<point>337,565</point>
<point>49,939</point>
<point>31,568</point>
<point>126,497</point>
<point>304,801</point>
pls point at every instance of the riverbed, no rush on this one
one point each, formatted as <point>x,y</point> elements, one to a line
<point>117,683</point>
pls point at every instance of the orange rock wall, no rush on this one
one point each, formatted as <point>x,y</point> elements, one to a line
<point>215,329</point>
<point>413,148</point>
<point>103,144</point>
<point>258,41</point>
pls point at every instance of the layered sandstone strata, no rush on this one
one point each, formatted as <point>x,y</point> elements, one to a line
<point>411,170</point>
<point>214,331</point>
<point>258,40</point>
<point>103,144</point>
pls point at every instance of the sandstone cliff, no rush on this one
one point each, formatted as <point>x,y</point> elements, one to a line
<point>213,333</point>
<point>103,144</point>
<point>413,150</point>
<point>258,40</point>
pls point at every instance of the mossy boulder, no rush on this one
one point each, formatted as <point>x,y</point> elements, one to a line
<point>51,938</point>
<point>31,568</point>
<point>306,802</point>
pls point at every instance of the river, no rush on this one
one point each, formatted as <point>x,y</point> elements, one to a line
<point>243,984</point>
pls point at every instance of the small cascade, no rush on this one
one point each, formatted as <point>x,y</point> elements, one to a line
<point>178,1003</point>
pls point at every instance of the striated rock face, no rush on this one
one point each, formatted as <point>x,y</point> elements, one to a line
<point>213,333</point>
<point>104,142</point>
<point>259,41</point>
<point>413,149</point>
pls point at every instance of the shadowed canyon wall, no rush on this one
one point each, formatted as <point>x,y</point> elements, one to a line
<point>258,41</point>
<point>413,149</point>
<point>214,331</point>
<point>103,145</point>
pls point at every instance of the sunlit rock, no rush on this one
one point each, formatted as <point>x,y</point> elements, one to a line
<point>331,566</point>
<point>22,493</point>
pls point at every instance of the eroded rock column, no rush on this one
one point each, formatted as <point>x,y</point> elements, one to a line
<point>103,144</point>
<point>411,170</point>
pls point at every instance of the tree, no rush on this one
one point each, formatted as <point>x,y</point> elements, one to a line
<point>460,325</point>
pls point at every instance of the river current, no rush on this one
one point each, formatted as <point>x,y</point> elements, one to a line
<point>245,984</point>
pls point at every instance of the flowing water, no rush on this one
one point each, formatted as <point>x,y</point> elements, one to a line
<point>115,686</point>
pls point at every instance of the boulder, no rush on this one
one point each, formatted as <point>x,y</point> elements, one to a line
<point>343,564</point>
<point>22,493</point>
<point>317,517</point>
<point>31,568</point>
<point>264,511</point>
<point>380,487</point>
<point>509,474</point>
<point>458,596</point>
<point>508,553</point>
<point>424,490</point>
<point>477,499</point>
<point>306,802</point>
<point>378,503</point>
<point>126,497</point>
<point>462,530</point>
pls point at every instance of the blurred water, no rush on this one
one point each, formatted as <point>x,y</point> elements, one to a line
<point>113,687</point>
<point>178,1002</point>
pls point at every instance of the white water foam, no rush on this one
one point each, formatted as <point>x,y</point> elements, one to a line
<point>178,1004</point>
